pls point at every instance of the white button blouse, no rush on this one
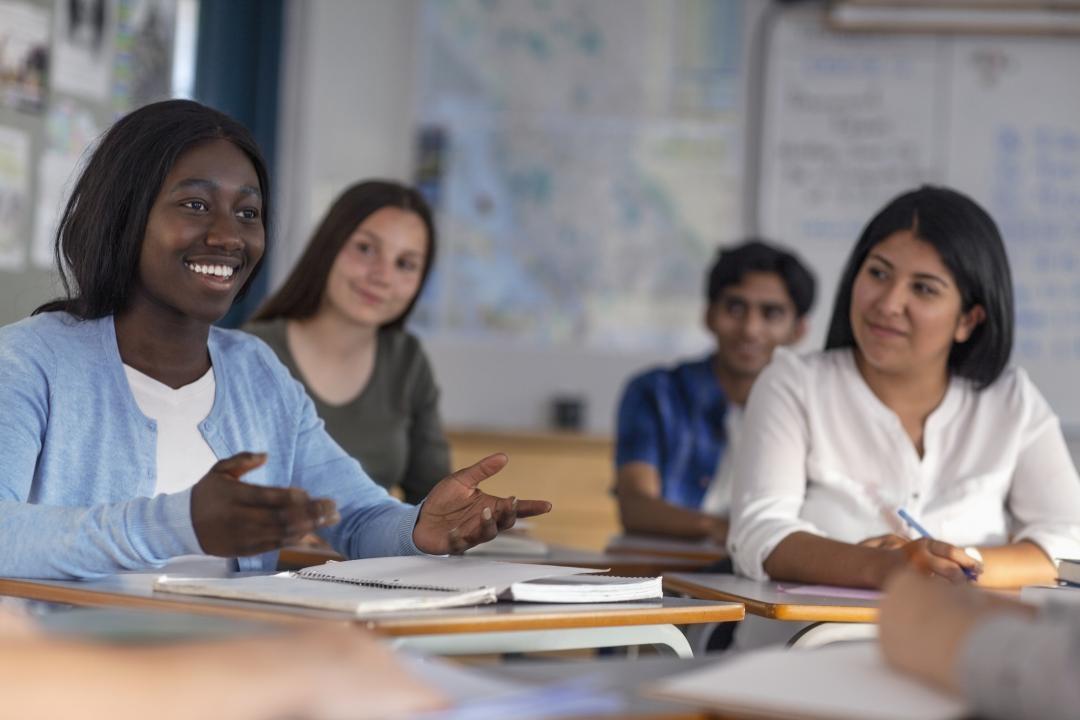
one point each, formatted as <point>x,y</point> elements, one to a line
<point>820,453</point>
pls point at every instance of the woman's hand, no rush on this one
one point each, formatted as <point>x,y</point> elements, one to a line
<point>889,541</point>
<point>933,557</point>
<point>233,518</point>
<point>457,515</point>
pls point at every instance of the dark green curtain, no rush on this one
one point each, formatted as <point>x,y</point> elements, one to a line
<point>237,71</point>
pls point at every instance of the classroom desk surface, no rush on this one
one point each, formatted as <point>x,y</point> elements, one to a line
<point>703,551</point>
<point>135,590</point>
<point>768,600</point>
<point>620,563</point>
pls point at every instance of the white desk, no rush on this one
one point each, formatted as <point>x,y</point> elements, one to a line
<point>833,618</point>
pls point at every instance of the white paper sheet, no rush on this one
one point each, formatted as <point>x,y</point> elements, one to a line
<point>14,197</point>
<point>83,42</point>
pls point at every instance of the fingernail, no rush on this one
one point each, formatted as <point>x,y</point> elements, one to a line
<point>487,513</point>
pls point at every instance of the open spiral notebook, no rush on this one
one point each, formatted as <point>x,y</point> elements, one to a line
<point>419,582</point>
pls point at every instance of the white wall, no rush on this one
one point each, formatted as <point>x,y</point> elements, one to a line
<point>346,108</point>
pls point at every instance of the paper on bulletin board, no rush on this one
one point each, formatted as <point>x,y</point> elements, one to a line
<point>24,55</point>
<point>142,67</point>
<point>54,169</point>
<point>83,41</point>
<point>69,131</point>
<point>14,196</point>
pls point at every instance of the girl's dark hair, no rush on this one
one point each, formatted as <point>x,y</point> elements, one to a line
<point>101,231</point>
<point>970,245</point>
<point>302,293</point>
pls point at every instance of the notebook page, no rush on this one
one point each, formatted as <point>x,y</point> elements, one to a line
<point>285,589</point>
<point>446,573</point>
<point>845,681</point>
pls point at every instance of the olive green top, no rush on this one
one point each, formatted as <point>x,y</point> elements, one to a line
<point>392,427</point>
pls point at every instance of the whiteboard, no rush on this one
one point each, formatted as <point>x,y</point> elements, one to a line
<point>851,120</point>
<point>1016,149</point>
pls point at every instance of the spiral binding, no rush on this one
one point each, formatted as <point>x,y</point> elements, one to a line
<point>381,584</point>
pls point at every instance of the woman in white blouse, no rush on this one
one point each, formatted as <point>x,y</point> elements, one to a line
<point>911,406</point>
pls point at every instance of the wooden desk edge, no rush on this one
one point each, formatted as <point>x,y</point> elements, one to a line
<point>793,612</point>
<point>388,625</point>
<point>418,625</point>
<point>96,598</point>
<point>824,613</point>
<point>298,558</point>
<point>499,437</point>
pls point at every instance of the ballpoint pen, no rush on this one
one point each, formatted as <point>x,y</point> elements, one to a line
<point>913,523</point>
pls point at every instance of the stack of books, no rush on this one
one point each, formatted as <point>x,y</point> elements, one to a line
<point>1064,592</point>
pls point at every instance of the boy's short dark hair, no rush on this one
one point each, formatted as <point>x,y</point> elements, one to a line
<point>733,263</point>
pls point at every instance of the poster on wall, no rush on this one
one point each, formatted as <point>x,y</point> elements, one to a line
<point>563,144</point>
<point>69,131</point>
<point>83,38</point>
<point>14,197</point>
<point>142,68</point>
<point>24,55</point>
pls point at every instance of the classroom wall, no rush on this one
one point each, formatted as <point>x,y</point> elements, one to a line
<point>349,68</point>
<point>335,132</point>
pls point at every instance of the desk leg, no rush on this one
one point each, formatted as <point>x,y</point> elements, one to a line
<point>823,633</point>
<point>665,638</point>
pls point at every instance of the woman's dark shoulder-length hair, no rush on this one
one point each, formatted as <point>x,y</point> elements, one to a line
<point>968,241</point>
<point>302,293</point>
<point>101,230</point>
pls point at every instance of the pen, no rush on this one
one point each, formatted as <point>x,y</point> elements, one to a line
<point>914,524</point>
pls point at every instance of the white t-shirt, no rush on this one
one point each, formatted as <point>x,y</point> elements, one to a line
<point>183,456</point>
<point>820,453</point>
<point>717,500</point>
